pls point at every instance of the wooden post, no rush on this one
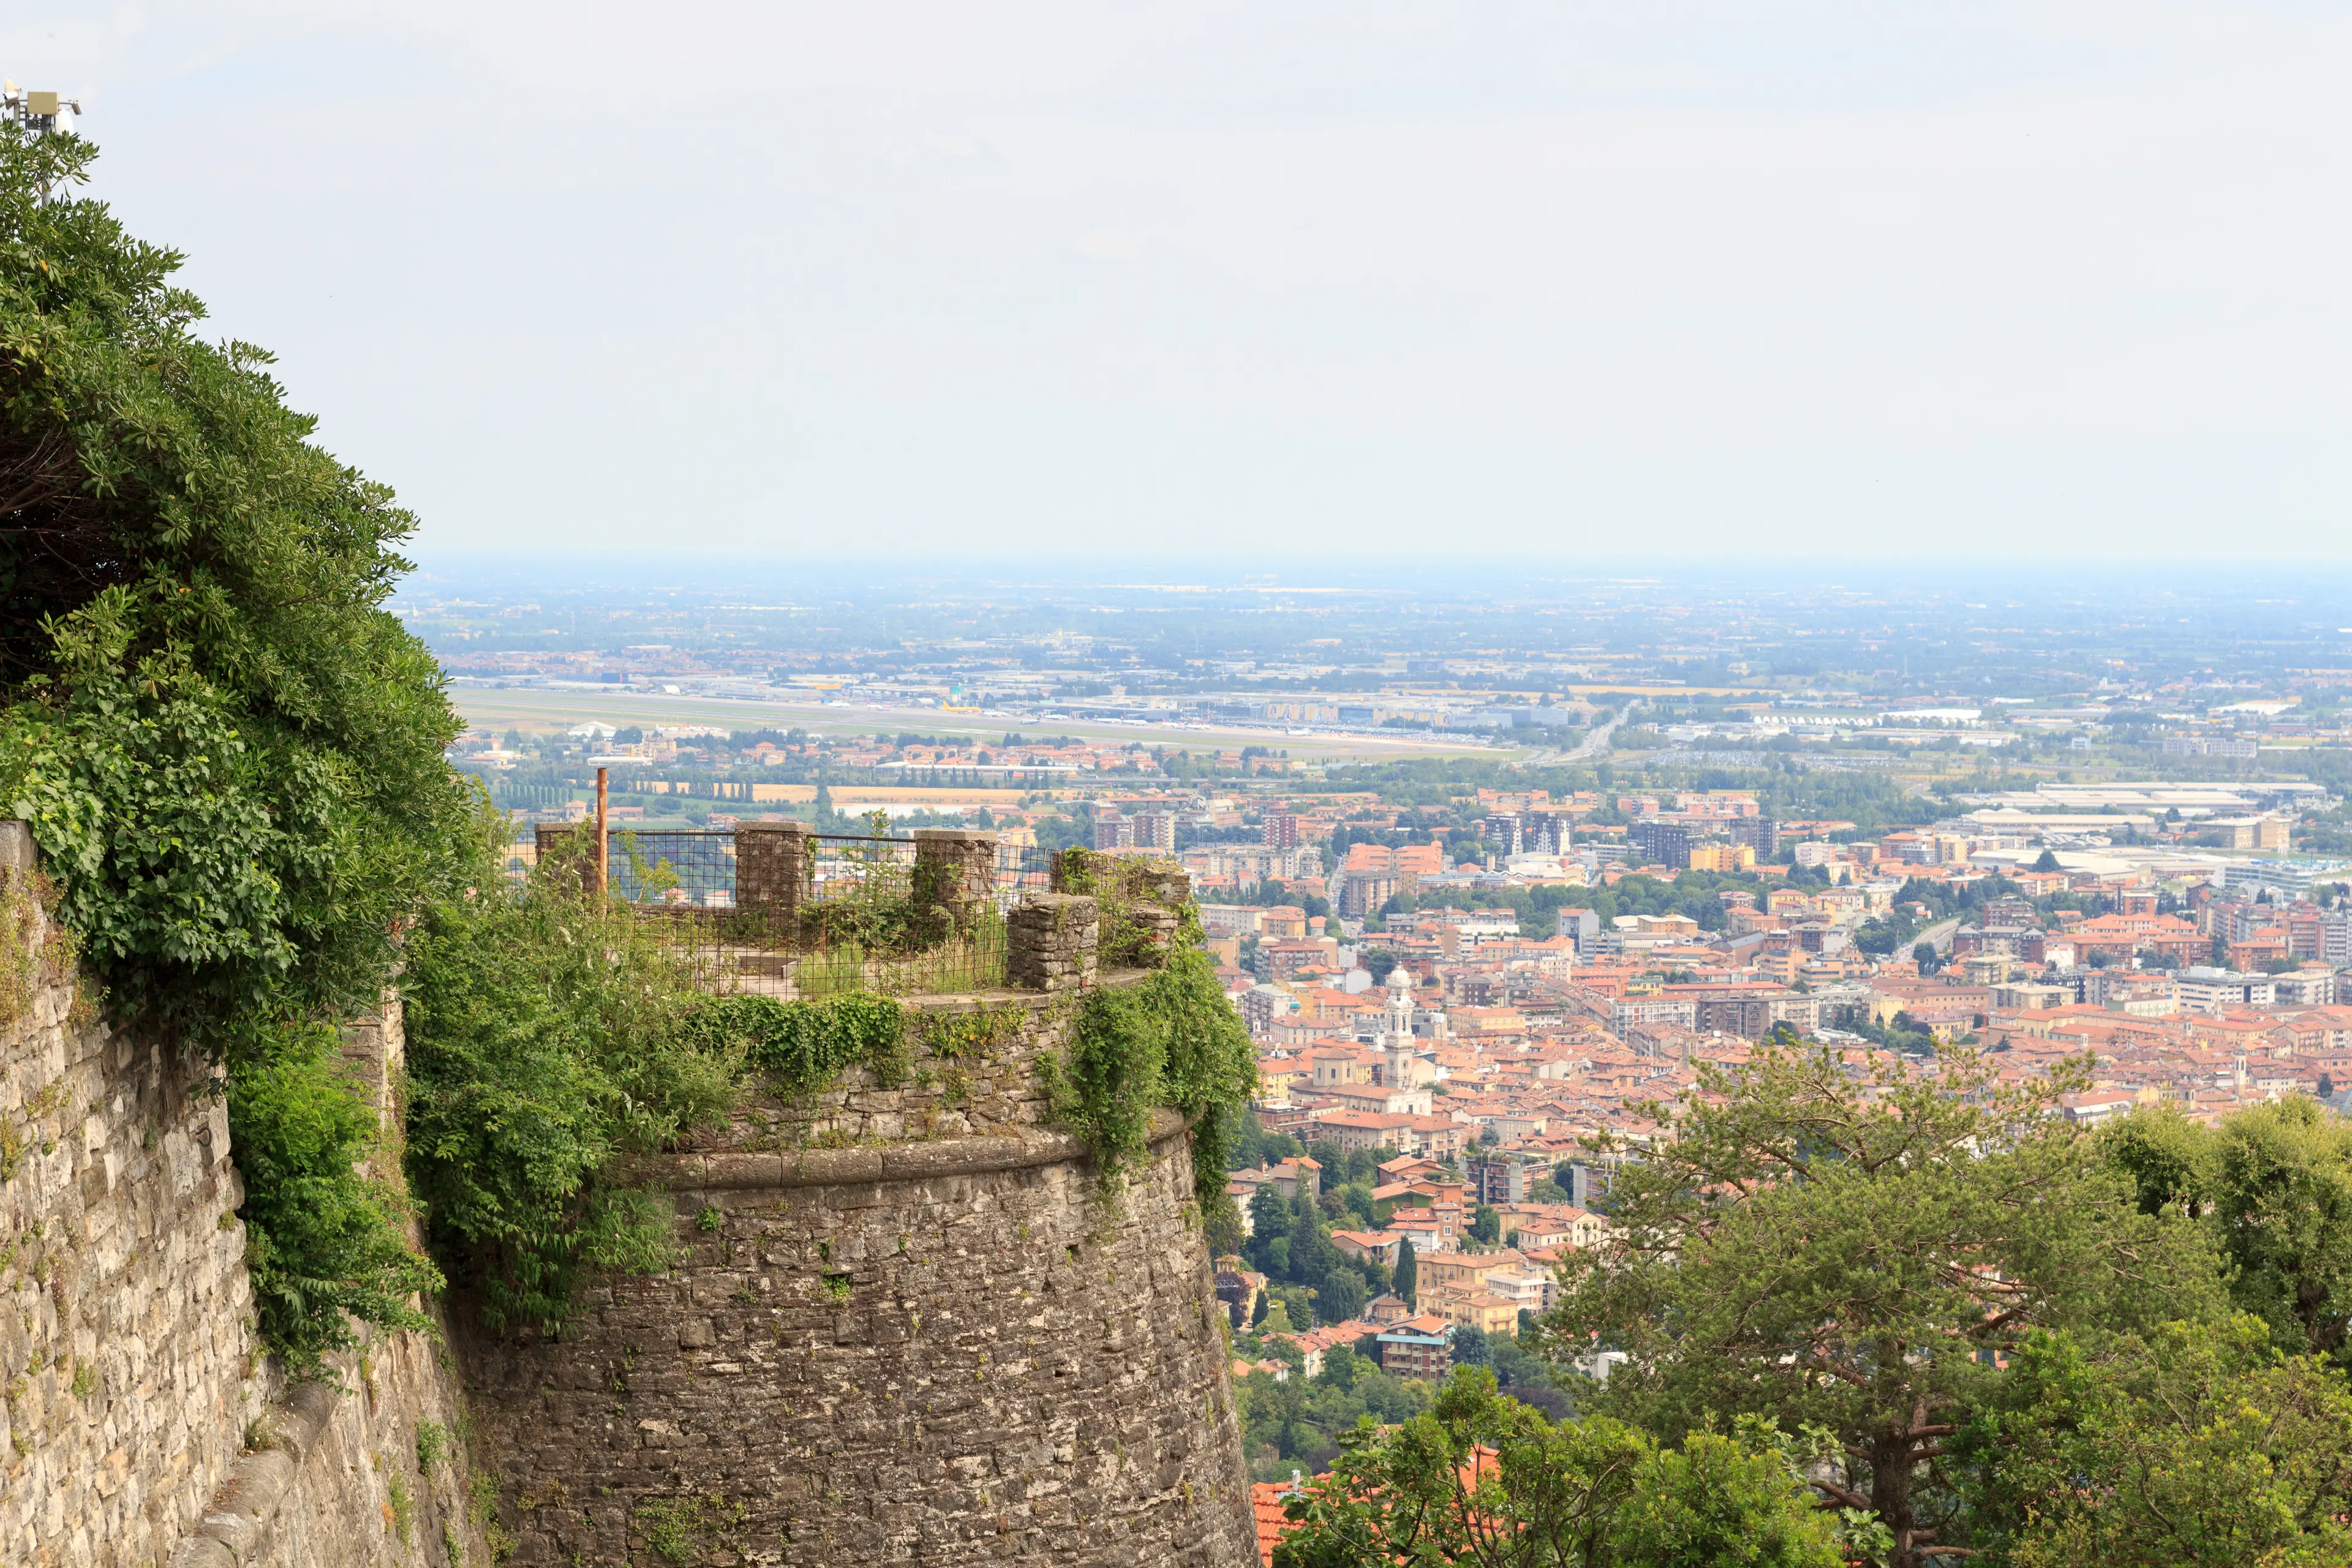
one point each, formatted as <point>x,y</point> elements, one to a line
<point>604,842</point>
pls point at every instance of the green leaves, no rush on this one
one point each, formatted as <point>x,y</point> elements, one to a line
<point>1170,1040</point>
<point>2197,1446</point>
<point>320,1242</point>
<point>230,752</point>
<point>544,1043</point>
<point>1483,1480</point>
<point>804,1046</point>
<point>2273,1185</point>
<point>1859,1248</point>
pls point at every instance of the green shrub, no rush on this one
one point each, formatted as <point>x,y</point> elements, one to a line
<point>319,1241</point>
<point>228,751</point>
<point>1172,1040</point>
<point>546,1042</point>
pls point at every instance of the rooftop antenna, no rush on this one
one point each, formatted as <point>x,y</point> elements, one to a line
<point>40,114</point>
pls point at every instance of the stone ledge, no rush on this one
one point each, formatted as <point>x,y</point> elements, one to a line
<point>731,1172</point>
<point>237,1525</point>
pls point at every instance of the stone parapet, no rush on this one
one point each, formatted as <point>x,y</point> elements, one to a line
<point>1052,942</point>
<point>775,870</point>
<point>955,871</point>
<point>1143,903</point>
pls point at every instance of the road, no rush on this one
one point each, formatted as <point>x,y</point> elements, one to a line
<point>1598,739</point>
<point>1596,742</point>
<point>1940,934</point>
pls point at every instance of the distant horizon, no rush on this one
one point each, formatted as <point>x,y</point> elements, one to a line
<point>1370,572</point>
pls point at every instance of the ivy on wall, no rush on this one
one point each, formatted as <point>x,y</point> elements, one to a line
<point>802,1047</point>
<point>1172,1040</point>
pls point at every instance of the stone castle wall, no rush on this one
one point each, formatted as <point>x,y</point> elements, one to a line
<point>908,1325</point>
<point>125,1354</point>
<point>132,1376</point>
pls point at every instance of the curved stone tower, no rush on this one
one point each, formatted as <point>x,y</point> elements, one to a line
<point>907,1326</point>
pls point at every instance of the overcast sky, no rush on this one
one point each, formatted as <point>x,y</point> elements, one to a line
<point>2025,281</point>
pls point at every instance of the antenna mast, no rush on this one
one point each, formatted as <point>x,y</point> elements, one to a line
<point>40,114</point>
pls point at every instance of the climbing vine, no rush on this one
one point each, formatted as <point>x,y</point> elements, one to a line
<point>955,1033</point>
<point>804,1046</point>
<point>1172,1040</point>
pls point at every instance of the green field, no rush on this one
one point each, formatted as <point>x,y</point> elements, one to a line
<point>542,712</point>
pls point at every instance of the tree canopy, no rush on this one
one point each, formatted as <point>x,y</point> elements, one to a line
<point>1859,1250</point>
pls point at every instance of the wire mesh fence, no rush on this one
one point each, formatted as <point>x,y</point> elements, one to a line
<point>788,913</point>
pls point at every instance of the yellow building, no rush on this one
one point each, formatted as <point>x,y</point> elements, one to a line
<point>1467,1307</point>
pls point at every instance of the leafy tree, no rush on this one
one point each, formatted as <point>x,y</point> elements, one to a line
<point>1341,1296</point>
<point>228,751</point>
<point>1468,1344</point>
<point>1483,1480</point>
<point>1486,1224</point>
<point>2198,1447</point>
<point>1855,1249</point>
<point>1407,1281</point>
<point>2274,1184</point>
<point>1925,955</point>
<point>2047,861</point>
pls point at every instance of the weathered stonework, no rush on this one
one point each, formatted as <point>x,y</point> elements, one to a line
<point>774,873</point>
<point>131,1374</point>
<point>1052,941</point>
<point>1149,895</point>
<point>907,1325</point>
<point>971,1071</point>
<point>955,870</point>
<point>940,1353</point>
<point>124,1349</point>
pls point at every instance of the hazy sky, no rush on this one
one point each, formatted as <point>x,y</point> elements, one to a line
<point>1993,281</point>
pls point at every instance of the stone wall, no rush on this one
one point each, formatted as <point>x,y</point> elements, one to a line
<point>971,1071</point>
<point>134,1380</point>
<point>945,1353</point>
<point>907,1325</point>
<point>125,1354</point>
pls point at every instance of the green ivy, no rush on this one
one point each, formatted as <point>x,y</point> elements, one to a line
<point>1172,1040</point>
<point>952,1034</point>
<point>802,1047</point>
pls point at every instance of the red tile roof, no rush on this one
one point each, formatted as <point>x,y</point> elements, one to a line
<point>1266,1503</point>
